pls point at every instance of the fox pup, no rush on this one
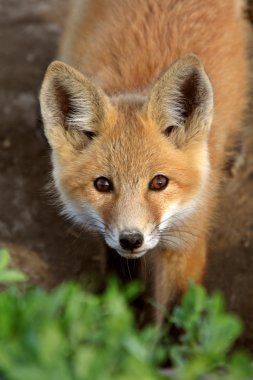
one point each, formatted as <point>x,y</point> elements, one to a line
<point>139,112</point>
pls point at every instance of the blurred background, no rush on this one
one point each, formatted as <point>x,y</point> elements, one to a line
<point>50,249</point>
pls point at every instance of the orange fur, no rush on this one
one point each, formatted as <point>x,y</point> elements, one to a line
<point>123,47</point>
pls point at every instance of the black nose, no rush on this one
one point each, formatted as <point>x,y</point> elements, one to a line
<point>131,240</point>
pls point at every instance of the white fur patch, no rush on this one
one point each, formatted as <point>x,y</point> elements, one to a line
<point>83,114</point>
<point>85,215</point>
<point>167,216</point>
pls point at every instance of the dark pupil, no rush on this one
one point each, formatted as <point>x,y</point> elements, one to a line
<point>102,184</point>
<point>158,183</point>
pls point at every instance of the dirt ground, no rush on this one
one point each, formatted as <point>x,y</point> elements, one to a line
<point>44,245</point>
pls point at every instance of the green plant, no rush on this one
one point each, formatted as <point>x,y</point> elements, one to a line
<point>209,333</point>
<point>8,275</point>
<point>70,334</point>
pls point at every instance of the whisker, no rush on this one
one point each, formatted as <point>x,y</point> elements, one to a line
<point>172,244</point>
<point>128,269</point>
<point>145,268</point>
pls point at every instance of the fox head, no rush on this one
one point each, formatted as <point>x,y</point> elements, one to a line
<point>132,166</point>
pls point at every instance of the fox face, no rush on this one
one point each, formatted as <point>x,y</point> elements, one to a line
<point>132,167</point>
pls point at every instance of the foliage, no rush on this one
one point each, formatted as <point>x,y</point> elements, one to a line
<point>70,334</point>
<point>209,333</point>
<point>8,275</point>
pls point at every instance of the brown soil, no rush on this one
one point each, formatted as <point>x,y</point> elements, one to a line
<point>41,242</point>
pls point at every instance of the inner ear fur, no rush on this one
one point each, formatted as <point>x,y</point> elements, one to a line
<point>181,101</point>
<point>72,107</point>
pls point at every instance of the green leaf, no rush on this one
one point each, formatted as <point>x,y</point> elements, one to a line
<point>10,276</point>
<point>4,259</point>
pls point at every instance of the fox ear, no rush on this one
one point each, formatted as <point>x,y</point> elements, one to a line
<point>181,101</point>
<point>72,107</point>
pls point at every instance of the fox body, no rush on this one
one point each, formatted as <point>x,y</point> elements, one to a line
<point>139,117</point>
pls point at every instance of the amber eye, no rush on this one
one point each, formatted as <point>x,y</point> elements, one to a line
<point>159,182</point>
<point>103,184</point>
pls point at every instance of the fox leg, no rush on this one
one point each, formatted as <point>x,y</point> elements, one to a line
<point>172,274</point>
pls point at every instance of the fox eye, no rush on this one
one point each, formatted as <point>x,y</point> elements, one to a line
<point>103,184</point>
<point>159,182</point>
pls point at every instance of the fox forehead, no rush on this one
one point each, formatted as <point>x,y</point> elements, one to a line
<point>129,147</point>
<point>132,144</point>
<point>131,150</point>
